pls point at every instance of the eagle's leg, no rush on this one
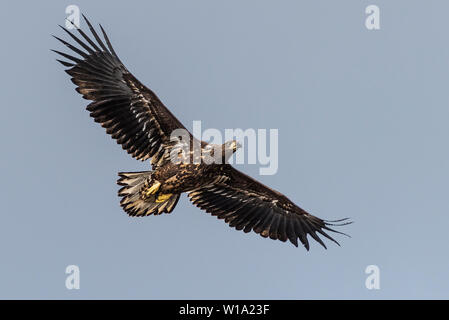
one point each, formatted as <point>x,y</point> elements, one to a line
<point>153,189</point>
<point>163,197</point>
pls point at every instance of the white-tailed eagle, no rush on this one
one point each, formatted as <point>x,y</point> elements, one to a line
<point>135,117</point>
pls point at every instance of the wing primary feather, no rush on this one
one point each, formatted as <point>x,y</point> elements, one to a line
<point>65,55</point>
<point>265,221</point>
<point>81,32</point>
<point>81,43</point>
<point>92,30</point>
<point>328,236</point>
<point>302,234</point>
<point>312,233</point>
<point>339,232</point>
<point>274,225</point>
<point>318,239</point>
<point>333,222</point>
<point>108,43</point>
<point>291,234</point>
<point>65,63</point>
<point>253,221</point>
<point>75,49</point>
<point>282,229</point>
<point>244,217</point>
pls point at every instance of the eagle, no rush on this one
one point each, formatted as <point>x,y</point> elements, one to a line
<point>137,119</point>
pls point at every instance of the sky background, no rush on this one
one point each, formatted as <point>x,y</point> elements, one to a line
<point>363,133</point>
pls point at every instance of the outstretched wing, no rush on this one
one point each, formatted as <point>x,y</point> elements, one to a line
<point>246,204</point>
<point>129,111</point>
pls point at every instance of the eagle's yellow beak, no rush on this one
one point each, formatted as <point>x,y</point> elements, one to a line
<point>235,145</point>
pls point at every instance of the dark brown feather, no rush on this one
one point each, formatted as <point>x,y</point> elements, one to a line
<point>247,204</point>
<point>129,111</point>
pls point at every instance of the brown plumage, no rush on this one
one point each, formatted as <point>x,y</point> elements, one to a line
<point>135,117</point>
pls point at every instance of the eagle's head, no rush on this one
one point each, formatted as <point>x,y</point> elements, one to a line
<point>221,153</point>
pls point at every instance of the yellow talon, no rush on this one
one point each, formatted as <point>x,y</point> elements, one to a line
<point>153,189</point>
<point>163,197</point>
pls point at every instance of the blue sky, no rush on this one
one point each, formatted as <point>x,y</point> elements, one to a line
<point>362,118</point>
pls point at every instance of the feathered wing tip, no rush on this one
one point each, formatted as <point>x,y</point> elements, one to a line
<point>317,225</point>
<point>339,222</point>
<point>132,201</point>
<point>117,104</point>
<point>269,221</point>
<point>100,46</point>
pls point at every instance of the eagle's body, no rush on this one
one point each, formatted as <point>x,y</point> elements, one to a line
<point>180,178</point>
<point>140,122</point>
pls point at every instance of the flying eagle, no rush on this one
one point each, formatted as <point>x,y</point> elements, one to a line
<point>135,117</point>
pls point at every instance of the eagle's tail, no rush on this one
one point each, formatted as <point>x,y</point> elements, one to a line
<point>140,197</point>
